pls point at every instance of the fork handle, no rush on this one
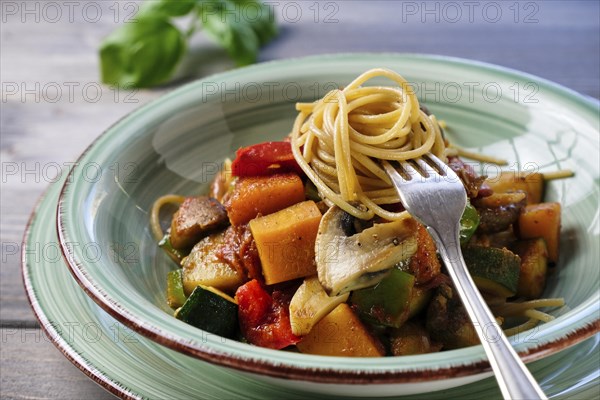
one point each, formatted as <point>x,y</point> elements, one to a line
<point>514,379</point>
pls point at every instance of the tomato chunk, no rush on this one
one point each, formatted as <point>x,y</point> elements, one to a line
<point>265,159</point>
<point>264,318</point>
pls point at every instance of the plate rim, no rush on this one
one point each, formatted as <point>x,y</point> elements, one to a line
<point>276,369</point>
<point>88,367</point>
<point>46,325</point>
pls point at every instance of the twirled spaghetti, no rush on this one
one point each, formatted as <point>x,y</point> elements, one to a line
<point>338,140</point>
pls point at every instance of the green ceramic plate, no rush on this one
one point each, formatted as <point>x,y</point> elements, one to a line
<point>176,145</point>
<point>130,365</point>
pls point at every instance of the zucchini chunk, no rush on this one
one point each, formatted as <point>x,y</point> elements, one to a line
<point>203,267</point>
<point>175,294</point>
<point>211,312</point>
<point>495,271</point>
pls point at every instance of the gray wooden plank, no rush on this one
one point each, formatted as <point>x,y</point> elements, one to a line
<point>32,368</point>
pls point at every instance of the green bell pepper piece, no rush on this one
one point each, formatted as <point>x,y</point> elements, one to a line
<point>468,223</point>
<point>388,302</point>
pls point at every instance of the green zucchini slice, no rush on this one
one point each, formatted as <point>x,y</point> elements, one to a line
<point>211,312</point>
<point>495,271</point>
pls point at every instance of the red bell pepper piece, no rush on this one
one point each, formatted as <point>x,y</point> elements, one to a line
<point>265,159</point>
<point>265,319</point>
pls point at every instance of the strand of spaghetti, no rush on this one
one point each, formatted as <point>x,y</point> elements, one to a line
<point>331,197</point>
<point>478,156</point>
<point>345,143</point>
<point>157,231</point>
<point>531,323</point>
<point>339,140</point>
<point>516,309</point>
<point>560,174</point>
<point>537,314</point>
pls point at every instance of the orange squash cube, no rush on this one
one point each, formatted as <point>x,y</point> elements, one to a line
<point>286,242</point>
<point>341,333</point>
<point>263,195</point>
<point>542,221</point>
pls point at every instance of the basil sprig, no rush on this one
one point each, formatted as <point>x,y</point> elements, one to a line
<point>146,51</point>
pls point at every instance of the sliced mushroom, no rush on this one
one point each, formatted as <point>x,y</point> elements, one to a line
<point>347,260</point>
<point>310,304</point>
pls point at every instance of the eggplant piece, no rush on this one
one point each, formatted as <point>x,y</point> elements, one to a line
<point>196,217</point>
<point>499,211</point>
<point>466,173</point>
<point>347,261</point>
<point>448,322</point>
<point>494,220</point>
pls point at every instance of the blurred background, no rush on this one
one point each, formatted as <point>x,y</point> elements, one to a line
<point>54,102</point>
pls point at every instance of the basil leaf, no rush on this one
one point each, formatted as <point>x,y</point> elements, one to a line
<point>171,8</point>
<point>241,26</point>
<point>142,53</point>
<point>239,40</point>
<point>261,18</point>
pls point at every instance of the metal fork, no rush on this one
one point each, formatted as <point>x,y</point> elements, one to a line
<point>433,194</point>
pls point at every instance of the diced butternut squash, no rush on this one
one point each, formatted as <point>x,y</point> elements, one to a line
<point>534,266</point>
<point>510,181</point>
<point>340,333</point>
<point>286,242</point>
<point>263,195</point>
<point>542,221</point>
<point>203,267</point>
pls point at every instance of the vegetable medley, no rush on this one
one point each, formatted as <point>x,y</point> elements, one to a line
<point>264,260</point>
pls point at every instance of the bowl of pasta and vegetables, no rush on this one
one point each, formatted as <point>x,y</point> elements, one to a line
<point>256,229</point>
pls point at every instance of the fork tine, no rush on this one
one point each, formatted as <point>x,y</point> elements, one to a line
<point>409,169</point>
<point>447,171</point>
<point>391,171</point>
<point>438,163</point>
<point>425,167</point>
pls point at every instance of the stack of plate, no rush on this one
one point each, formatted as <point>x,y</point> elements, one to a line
<point>119,329</point>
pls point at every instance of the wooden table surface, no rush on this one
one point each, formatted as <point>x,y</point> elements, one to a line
<point>53,106</point>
